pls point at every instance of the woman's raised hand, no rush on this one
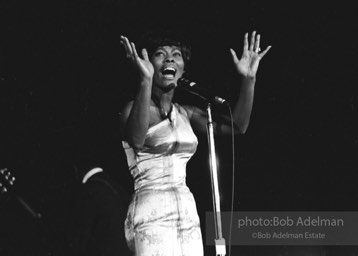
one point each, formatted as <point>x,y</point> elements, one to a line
<point>248,64</point>
<point>143,65</point>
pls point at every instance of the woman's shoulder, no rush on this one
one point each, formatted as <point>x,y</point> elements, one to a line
<point>189,110</point>
<point>185,109</point>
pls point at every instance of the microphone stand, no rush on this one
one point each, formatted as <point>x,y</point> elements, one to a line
<point>219,240</point>
<point>220,246</point>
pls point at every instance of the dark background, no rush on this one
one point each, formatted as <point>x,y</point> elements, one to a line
<point>63,73</point>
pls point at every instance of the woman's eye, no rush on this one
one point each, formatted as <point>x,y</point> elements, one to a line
<point>159,54</point>
<point>177,54</point>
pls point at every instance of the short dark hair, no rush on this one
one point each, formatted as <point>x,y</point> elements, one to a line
<point>153,39</point>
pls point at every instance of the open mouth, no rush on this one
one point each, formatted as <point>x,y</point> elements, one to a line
<point>169,72</point>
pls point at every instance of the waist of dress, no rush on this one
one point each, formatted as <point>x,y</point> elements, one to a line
<point>141,185</point>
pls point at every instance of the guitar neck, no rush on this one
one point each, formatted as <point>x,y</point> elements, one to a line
<point>27,207</point>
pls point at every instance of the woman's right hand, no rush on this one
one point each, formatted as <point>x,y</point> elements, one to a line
<point>143,65</point>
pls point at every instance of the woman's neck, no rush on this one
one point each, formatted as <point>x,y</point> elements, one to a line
<point>163,101</point>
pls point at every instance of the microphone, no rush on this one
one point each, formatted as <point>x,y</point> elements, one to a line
<point>193,88</point>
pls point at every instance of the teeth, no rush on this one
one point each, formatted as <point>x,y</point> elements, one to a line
<point>172,69</point>
<point>169,72</point>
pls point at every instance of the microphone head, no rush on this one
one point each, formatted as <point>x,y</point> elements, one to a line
<point>185,82</point>
<point>192,88</point>
<point>220,100</point>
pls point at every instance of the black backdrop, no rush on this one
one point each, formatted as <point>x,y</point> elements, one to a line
<point>63,72</point>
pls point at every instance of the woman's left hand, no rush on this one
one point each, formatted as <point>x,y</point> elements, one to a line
<point>251,56</point>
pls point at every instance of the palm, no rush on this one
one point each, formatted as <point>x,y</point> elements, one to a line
<point>248,64</point>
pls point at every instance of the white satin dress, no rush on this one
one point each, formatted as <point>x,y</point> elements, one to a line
<point>162,218</point>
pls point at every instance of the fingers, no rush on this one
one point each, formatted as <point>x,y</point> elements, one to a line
<point>246,42</point>
<point>134,50</point>
<point>127,47</point>
<point>130,51</point>
<point>265,51</point>
<point>234,56</point>
<point>145,54</point>
<point>257,43</point>
<point>252,42</point>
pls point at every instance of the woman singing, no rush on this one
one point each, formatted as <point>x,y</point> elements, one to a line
<point>159,140</point>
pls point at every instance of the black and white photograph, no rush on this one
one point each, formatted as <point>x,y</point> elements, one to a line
<point>178,128</point>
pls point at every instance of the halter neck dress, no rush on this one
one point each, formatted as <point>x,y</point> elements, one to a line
<point>162,218</point>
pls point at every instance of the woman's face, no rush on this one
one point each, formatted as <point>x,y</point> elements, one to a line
<point>168,66</point>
